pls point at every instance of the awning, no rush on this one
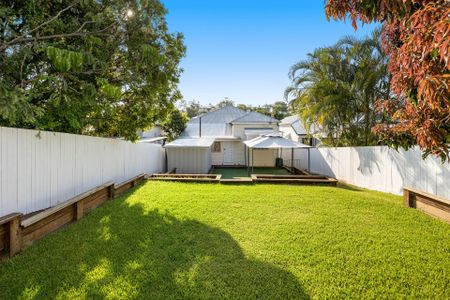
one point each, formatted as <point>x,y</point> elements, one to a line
<point>152,140</point>
<point>273,141</point>
<point>191,143</point>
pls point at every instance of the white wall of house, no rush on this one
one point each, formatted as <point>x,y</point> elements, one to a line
<point>289,133</point>
<point>189,160</point>
<point>380,168</point>
<point>231,153</point>
<point>238,129</point>
<point>39,169</point>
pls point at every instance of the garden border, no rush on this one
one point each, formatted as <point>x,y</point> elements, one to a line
<point>18,230</point>
<point>433,205</point>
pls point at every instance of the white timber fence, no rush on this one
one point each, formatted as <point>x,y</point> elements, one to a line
<point>379,168</point>
<point>40,169</point>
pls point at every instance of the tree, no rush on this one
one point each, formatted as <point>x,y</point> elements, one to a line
<point>106,68</point>
<point>416,39</point>
<point>337,86</point>
<point>174,124</point>
<point>226,101</point>
<point>192,108</point>
<point>280,110</point>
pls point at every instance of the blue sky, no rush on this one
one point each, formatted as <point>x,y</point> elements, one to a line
<point>243,49</point>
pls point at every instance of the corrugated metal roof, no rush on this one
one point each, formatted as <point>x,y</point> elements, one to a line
<point>208,129</point>
<point>225,114</point>
<point>299,129</point>
<point>273,141</point>
<point>215,123</point>
<point>255,117</point>
<point>202,142</point>
<point>289,120</point>
<point>218,122</point>
<point>151,140</point>
<point>296,124</point>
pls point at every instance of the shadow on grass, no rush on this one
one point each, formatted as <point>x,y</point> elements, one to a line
<point>123,251</point>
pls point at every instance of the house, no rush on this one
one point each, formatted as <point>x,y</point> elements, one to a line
<point>292,128</point>
<point>216,139</point>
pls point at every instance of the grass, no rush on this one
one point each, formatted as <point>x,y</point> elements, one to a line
<point>229,173</point>
<point>182,240</point>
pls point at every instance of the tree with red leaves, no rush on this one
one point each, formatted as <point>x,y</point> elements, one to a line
<point>416,37</point>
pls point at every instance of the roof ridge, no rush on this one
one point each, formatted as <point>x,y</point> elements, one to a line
<point>258,113</point>
<point>220,108</point>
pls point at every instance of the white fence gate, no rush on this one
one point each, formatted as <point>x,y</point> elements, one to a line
<point>379,168</point>
<point>39,169</point>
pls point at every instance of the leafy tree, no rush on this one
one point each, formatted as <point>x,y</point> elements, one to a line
<point>226,101</point>
<point>277,110</point>
<point>192,109</point>
<point>280,110</point>
<point>107,68</point>
<point>174,124</point>
<point>416,39</point>
<point>336,88</point>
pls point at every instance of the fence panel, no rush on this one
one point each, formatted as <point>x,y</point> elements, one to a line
<point>380,168</point>
<point>40,169</point>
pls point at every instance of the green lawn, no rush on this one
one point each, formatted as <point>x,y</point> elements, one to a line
<point>184,240</point>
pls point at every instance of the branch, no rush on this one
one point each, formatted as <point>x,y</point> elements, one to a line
<point>19,38</point>
<point>55,36</point>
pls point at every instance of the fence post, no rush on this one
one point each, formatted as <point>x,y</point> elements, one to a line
<point>79,209</point>
<point>406,197</point>
<point>111,191</point>
<point>15,236</point>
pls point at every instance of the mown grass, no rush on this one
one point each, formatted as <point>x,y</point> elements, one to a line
<point>198,241</point>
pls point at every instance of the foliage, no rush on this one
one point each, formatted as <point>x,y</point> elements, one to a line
<point>191,108</point>
<point>416,37</point>
<point>174,124</point>
<point>279,110</point>
<point>206,241</point>
<point>336,88</point>
<point>107,68</point>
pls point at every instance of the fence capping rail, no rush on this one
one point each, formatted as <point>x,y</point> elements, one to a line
<point>434,205</point>
<point>17,230</point>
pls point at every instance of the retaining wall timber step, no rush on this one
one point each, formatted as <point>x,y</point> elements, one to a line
<point>17,230</point>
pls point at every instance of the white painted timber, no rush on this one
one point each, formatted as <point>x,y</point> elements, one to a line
<point>192,160</point>
<point>40,169</point>
<point>379,168</point>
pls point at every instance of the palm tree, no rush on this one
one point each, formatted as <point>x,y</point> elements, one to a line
<point>336,88</point>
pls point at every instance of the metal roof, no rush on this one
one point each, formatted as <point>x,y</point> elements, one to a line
<point>225,114</point>
<point>273,141</point>
<point>218,122</point>
<point>202,142</point>
<point>152,140</point>
<point>255,117</point>
<point>208,129</point>
<point>295,123</point>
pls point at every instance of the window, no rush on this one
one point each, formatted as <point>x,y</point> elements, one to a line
<point>217,147</point>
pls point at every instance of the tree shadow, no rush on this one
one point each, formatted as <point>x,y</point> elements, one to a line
<point>123,251</point>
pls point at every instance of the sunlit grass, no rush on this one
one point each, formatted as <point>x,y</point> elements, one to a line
<point>176,240</point>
